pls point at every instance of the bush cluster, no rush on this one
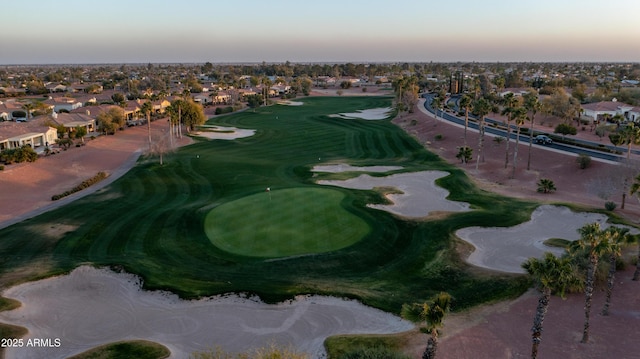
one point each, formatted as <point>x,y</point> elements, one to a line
<point>17,155</point>
<point>223,110</point>
<point>85,184</point>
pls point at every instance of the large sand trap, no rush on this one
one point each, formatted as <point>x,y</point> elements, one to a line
<point>223,133</point>
<point>290,103</point>
<point>338,168</point>
<point>421,196</point>
<point>370,114</point>
<point>505,249</point>
<point>90,307</point>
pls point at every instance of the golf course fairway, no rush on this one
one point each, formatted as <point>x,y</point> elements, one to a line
<point>288,222</point>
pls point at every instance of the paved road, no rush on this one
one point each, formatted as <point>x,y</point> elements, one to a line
<point>473,125</point>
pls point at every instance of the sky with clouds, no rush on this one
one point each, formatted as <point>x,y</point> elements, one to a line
<point>157,31</point>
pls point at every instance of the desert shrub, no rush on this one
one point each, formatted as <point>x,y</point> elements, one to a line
<point>565,129</point>
<point>583,161</point>
<point>17,155</point>
<point>85,184</point>
<point>610,206</point>
<point>223,110</point>
<point>1,167</point>
<point>439,137</point>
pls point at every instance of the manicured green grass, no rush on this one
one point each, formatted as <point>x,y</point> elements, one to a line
<point>287,222</point>
<point>126,350</point>
<point>151,222</point>
<point>368,346</point>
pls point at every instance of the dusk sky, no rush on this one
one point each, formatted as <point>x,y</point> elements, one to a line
<point>157,31</point>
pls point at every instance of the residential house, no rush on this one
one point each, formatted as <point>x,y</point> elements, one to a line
<point>160,106</point>
<point>221,97</point>
<point>72,120</point>
<point>12,111</point>
<point>598,111</point>
<point>67,104</point>
<point>132,110</point>
<point>246,92</point>
<point>202,98</point>
<point>282,89</point>
<point>517,92</point>
<point>55,87</point>
<point>35,133</point>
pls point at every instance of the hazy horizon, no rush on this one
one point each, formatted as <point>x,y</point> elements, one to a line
<point>198,31</point>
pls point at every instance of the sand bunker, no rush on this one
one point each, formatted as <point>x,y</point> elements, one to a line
<point>421,196</point>
<point>291,103</point>
<point>90,307</point>
<point>505,249</point>
<point>338,168</point>
<point>223,133</point>
<point>370,114</point>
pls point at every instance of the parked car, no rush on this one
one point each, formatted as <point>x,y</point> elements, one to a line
<point>543,140</point>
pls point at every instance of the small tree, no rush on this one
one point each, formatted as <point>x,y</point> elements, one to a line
<point>546,185</point>
<point>583,161</point>
<point>80,132</point>
<point>565,129</point>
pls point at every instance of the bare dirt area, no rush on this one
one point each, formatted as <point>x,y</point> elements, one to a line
<point>572,183</point>
<point>26,188</point>
<point>502,330</point>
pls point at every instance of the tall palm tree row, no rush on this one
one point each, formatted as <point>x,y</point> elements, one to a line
<point>551,275</point>
<point>519,116</point>
<point>146,108</point>
<point>533,105</point>
<point>481,108</point>
<point>617,237</point>
<point>635,190</point>
<point>595,243</point>
<point>510,105</point>
<point>465,102</point>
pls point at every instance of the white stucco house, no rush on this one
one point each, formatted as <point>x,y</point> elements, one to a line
<point>596,111</point>
<point>35,133</point>
<point>63,103</point>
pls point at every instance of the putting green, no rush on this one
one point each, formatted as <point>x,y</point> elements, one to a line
<point>284,223</point>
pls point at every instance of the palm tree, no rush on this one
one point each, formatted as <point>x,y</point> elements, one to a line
<point>431,314</point>
<point>550,274</point>
<point>533,105</point>
<point>465,102</point>
<point>146,109</point>
<point>546,185</point>
<point>510,102</point>
<point>630,135</point>
<point>519,115</point>
<point>481,108</point>
<point>617,238</point>
<point>595,243</point>
<point>635,189</point>
<point>436,103</point>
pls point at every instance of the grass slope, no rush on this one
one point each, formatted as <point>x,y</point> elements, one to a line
<point>151,221</point>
